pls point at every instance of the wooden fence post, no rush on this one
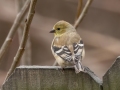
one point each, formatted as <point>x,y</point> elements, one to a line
<point>49,78</point>
<point>52,78</point>
<point>111,80</point>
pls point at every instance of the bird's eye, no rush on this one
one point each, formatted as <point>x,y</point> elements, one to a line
<point>58,28</point>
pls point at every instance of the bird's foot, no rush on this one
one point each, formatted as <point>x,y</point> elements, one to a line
<point>61,70</point>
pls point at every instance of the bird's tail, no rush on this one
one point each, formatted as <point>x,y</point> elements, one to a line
<point>78,67</point>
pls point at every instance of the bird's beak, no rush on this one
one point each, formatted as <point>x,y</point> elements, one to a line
<point>52,31</point>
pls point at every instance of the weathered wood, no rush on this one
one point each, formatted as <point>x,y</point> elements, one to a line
<point>51,78</point>
<point>111,80</point>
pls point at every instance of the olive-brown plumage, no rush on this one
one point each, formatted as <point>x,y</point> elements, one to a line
<point>67,46</point>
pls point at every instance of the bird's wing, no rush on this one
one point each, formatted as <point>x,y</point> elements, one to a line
<point>63,52</point>
<point>78,50</point>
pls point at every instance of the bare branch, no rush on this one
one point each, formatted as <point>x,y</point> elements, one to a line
<point>83,13</point>
<point>26,58</point>
<point>79,9</point>
<point>24,38</point>
<point>13,29</point>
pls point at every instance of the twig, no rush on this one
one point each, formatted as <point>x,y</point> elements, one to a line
<point>83,13</point>
<point>26,58</point>
<point>24,38</point>
<point>13,29</point>
<point>79,9</point>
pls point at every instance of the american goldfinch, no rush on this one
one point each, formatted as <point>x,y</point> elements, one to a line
<point>67,46</point>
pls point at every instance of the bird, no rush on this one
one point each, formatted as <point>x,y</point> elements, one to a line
<point>67,46</point>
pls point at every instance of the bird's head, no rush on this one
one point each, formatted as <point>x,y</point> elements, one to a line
<point>62,27</point>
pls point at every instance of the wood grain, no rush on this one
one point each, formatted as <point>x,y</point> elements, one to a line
<point>111,80</point>
<point>50,78</point>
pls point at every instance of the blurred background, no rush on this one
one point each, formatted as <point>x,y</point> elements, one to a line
<point>100,30</point>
